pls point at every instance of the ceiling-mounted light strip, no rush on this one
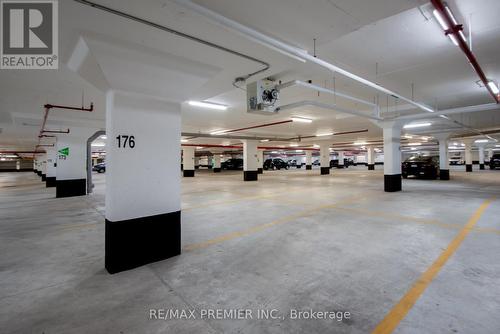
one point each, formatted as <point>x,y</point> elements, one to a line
<point>218,132</point>
<point>416,125</point>
<point>493,87</point>
<point>207,105</point>
<point>324,134</point>
<point>301,120</point>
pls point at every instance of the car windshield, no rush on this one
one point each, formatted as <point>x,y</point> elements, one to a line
<point>496,156</point>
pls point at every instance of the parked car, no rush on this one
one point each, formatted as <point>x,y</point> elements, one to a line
<point>316,162</point>
<point>100,168</point>
<point>232,164</point>
<point>495,161</point>
<point>347,162</point>
<point>456,161</point>
<point>275,163</point>
<point>294,163</point>
<point>421,166</point>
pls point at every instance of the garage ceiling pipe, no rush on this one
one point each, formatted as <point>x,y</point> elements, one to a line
<point>265,65</point>
<point>275,44</point>
<point>460,110</point>
<point>455,30</point>
<point>324,90</point>
<point>259,147</point>
<point>328,106</point>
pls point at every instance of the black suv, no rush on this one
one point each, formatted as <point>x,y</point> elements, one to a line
<point>421,166</point>
<point>233,164</point>
<point>275,163</point>
<point>100,168</point>
<point>495,161</point>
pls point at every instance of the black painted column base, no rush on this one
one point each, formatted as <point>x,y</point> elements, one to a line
<point>371,167</point>
<point>309,167</point>
<point>340,166</point>
<point>196,167</point>
<point>325,170</point>
<point>44,177</point>
<point>39,173</point>
<point>35,171</point>
<point>260,171</point>
<point>481,166</point>
<point>209,167</point>
<point>135,242</point>
<point>70,188</point>
<point>250,175</point>
<point>392,183</point>
<point>216,169</point>
<point>444,174</point>
<point>188,173</point>
<point>468,168</point>
<point>50,181</point>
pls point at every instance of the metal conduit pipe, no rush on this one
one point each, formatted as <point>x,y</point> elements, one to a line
<point>288,49</point>
<point>460,110</point>
<point>324,90</point>
<point>328,106</point>
<point>183,35</point>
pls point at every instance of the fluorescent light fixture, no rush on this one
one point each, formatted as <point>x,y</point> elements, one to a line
<point>408,136</point>
<point>184,140</point>
<point>207,105</point>
<point>3,159</point>
<point>416,125</point>
<point>294,145</point>
<point>324,134</point>
<point>414,144</point>
<point>413,148</point>
<point>462,144</point>
<point>360,143</point>
<point>264,140</point>
<point>298,151</point>
<point>481,141</point>
<point>497,145</point>
<point>218,132</point>
<point>301,120</point>
<point>103,137</point>
<point>98,144</point>
<point>274,152</point>
<point>440,19</point>
<point>199,147</point>
<point>493,87</point>
<point>316,146</point>
<point>453,147</point>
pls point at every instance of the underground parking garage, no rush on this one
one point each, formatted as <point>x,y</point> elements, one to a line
<point>249,166</point>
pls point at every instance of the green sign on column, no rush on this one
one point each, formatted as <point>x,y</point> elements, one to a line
<point>64,151</point>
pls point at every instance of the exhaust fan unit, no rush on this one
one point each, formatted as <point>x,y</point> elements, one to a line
<point>262,97</point>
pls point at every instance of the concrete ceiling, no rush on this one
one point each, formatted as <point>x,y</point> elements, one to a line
<point>406,42</point>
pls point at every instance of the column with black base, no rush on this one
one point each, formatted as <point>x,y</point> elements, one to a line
<point>44,167</point>
<point>250,160</point>
<point>468,155</point>
<point>392,156</point>
<point>143,211</point>
<point>481,156</point>
<point>340,159</point>
<point>71,170</point>
<point>308,160</point>
<point>188,161</point>
<point>50,180</point>
<point>260,157</point>
<point>444,162</point>
<point>216,160</point>
<point>324,158</point>
<point>370,157</point>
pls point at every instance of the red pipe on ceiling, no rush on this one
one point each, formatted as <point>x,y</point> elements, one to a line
<point>455,29</point>
<point>56,131</point>
<point>259,147</point>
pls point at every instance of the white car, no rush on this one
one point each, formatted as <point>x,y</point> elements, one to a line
<point>456,161</point>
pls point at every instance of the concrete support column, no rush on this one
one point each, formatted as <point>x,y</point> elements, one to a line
<point>260,157</point>
<point>43,164</point>
<point>38,165</point>
<point>216,166</point>
<point>370,157</point>
<point>444,159</point>
<point>308,160</point>
<point>71,172</point>
<point>324,159</point>
<point>490,154</point>
<point>18,165</point>
<point>340,159</point>
<point>50,180</point>
<point>143,207</point>
<point>392,156</point>
<point>250,161</point>
<point>34,166</point>
<point>196,162</point>
<point>188,160</point>
<point>468,156</point>
<point>481,157</point>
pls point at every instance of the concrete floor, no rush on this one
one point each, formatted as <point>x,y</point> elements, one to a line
<point>292,240</point>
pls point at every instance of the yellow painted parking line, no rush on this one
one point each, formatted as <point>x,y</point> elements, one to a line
<point>401,309</point>
<point>258,228</point>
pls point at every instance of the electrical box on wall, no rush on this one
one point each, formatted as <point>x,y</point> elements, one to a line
<point>262,97</point>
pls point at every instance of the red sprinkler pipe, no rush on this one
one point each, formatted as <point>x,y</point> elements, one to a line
<point>55,131</point>
<point>257,126</point>
<point>51,106</point>
<point>455,30</point>
<point>22,152</point>
<point>259,147</point>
